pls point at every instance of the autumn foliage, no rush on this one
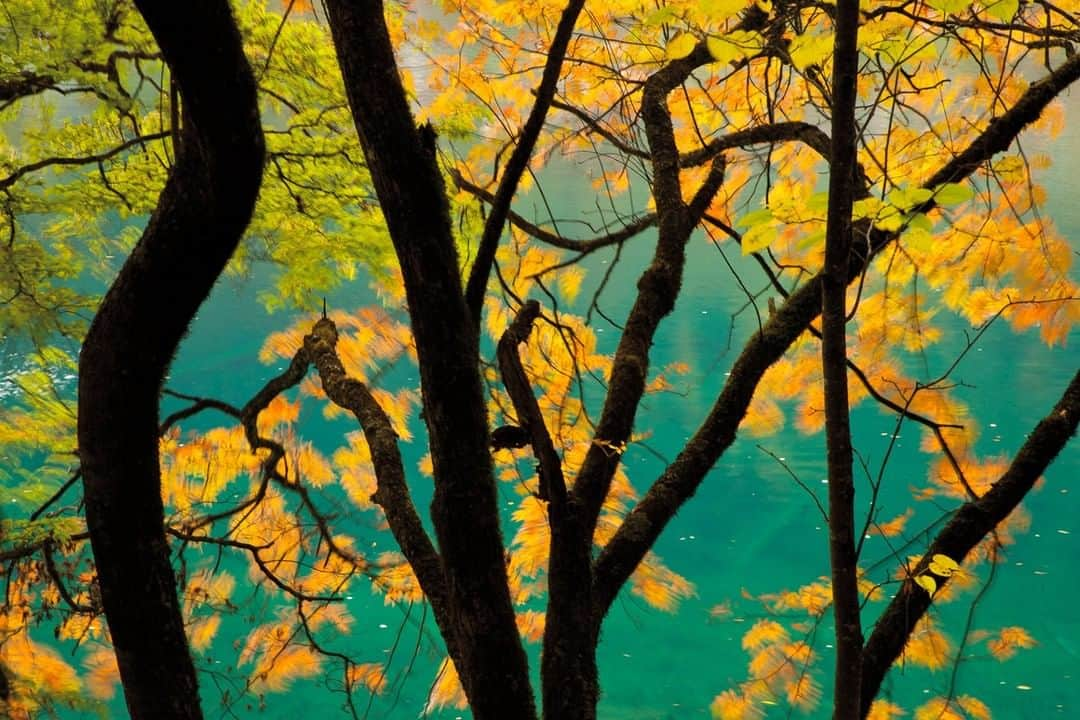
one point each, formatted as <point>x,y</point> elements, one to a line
<point>277,506</point>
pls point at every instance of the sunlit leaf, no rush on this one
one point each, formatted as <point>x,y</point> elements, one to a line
<point>953,194</point>
<point>943,565</point>
<point>1003,10</point>
<point>681,46</point>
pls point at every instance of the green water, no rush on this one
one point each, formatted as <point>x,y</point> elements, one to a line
<point>749,527</point>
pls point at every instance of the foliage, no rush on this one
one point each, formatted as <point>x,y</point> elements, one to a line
<point>89,117</point>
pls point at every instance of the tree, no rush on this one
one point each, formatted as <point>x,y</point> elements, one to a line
<point>685,95</point>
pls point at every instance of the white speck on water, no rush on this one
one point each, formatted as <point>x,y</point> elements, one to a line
<point>993,425</point>
<point>1023,687</point>
<point>1063,532</point>
<point>383,626</point>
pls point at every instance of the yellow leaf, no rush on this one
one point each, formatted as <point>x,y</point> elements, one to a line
<point>764,632</point>
<point>807,50</point>
<point>943,565</point>
<point>730,705</point>
<point>1004,646</point>
<point>720,10</point>
<point>975,708</point>
<point>884,710</point>
<point>681,46</point>
<point>891,528</point>
<point>938,709</point>
<point>370,675</point>
<point>530,624</point>
<point>201,632</point>
<point>446,690</point>
<point>102,675</point>
<point>927,583</point>
<point>927,646</point>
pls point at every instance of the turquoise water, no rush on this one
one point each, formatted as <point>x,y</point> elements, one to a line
<point>750,527</point>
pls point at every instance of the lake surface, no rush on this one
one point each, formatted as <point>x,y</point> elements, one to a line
<point>749,527</point>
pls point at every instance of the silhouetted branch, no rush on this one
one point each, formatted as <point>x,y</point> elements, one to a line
<point>519,160</point>
<point>552,484</point>
<point>973,521</point>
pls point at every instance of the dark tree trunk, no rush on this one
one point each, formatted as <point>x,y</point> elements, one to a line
<point>842,556</point>
<point>201,214</point>
<point>488,653</point>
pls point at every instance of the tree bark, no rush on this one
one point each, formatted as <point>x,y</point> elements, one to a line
<point>200,217</point>
<point>842,557</point>
<point>568,674</point>
<point>492,663</point>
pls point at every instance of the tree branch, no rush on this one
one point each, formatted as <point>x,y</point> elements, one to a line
<point>680,480</point>
<point>972,522</point>
<point>11,179</point>
<point>519,160</point>
<point>392,494</point>
<point>552,484</point>
<point>584,247</point>
<point>657,288</point>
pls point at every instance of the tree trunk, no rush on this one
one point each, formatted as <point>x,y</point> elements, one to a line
<point>201,214</point>
<point>488,653</point>
<point>842,556</point>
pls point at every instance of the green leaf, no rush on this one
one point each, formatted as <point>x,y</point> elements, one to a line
<point>818,201</point>
<point>1003,10</point>
<point>919,221</point>
<point>723,50</point>
<point>736,45</point>
<point>949,6</point>
<point>953,194</point>
<point>867,207</point>
<point>755,217</point>
<point>907,197</point>
<point>758,238</point>
<point>917,239</point>
<point>890,219</point>
<point>681,46</point>
<point>661,16</point>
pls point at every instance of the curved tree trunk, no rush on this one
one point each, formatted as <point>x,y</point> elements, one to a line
<point>200,217</point>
